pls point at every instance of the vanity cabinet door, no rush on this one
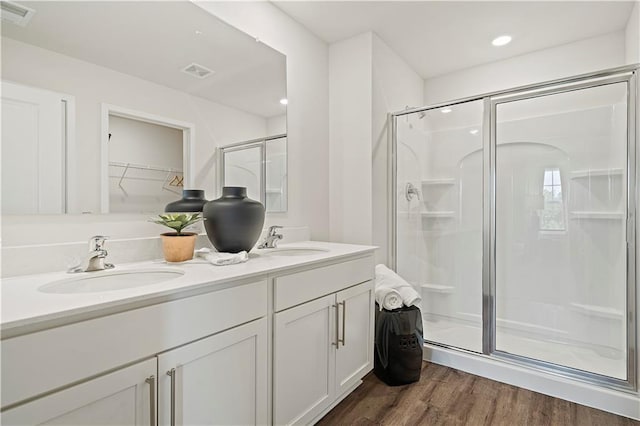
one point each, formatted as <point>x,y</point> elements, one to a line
<point>124,397</point>
<point>304,343</point>
<point>219,380</point>
<point>354,355</point>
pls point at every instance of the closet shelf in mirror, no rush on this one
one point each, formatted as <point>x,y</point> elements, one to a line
<point>439,214</point>
<point>443,181</point>
<point>601,215</point>
<point>144,167</point>
<point>577,174</point>
<point>173,177</point>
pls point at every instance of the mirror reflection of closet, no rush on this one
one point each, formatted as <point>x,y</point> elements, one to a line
<point>260,166</point>
<point>146,160</point>
<point>145,165</point>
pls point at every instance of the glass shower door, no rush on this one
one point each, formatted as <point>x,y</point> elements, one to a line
<point>243,166</point>
<point>439,220</point>
<point>561,227</point>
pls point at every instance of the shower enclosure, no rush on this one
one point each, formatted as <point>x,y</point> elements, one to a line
<point>514,215</point>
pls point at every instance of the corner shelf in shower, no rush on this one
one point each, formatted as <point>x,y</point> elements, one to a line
<point>578,174</point>
<point>437,288</point>
<point>598,311</point>
<point>443,181</point>
<point>587,215</point>
<point>445,214</point>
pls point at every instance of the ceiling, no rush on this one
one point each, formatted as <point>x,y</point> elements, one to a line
<point>155,41</point>
<point>438,37</point>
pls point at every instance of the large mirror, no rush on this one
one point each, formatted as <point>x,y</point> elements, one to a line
<point>115,107</point>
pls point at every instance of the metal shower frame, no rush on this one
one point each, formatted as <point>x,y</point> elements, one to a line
<point>627,74</point>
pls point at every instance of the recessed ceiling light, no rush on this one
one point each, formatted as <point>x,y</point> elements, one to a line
<point>474,131</point>
<point>502,40</point>
<point>284,101</point>
<point>198,32</point>
<point>446,110</point>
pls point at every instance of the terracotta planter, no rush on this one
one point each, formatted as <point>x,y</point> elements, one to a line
<point>178,248</point>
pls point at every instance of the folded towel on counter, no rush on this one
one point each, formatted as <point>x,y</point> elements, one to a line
<point>386,278</point>
<point>388,298</point>
<point>222,259</point>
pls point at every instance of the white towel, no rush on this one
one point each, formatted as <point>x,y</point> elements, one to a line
<point>222,259</point>
<point>386,278</point>
<point>388,298</point>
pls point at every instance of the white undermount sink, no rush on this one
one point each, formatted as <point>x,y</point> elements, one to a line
<point>291,251</point>
<point>94,282</point>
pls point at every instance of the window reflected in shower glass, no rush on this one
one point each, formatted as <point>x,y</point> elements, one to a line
<point>560,229</point>
<point>552,214</point>
<point>439,228</point>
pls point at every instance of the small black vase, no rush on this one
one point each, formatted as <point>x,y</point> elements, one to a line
<point>233,222</point>
<point>192,202</point>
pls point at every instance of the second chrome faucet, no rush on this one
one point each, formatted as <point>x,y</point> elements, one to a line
<point>95,260</point>
<point>271,240</point>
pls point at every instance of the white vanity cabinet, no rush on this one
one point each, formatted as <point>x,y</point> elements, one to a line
<point>125,397</point>
<point>304,361</point>
<point>278,340</point>
<point>220,380</point>
<point>215,341</point>
<point>324,346</point>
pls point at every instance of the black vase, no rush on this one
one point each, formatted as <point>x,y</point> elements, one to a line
<point>233,222</point>
<point>192,202</point>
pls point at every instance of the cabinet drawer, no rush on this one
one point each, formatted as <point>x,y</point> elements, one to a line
<point>43,361</point>
<point>300,287</point>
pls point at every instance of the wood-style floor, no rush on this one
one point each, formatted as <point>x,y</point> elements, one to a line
<point>445,396</point>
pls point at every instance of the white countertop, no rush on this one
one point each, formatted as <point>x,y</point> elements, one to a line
<point>26,309</point>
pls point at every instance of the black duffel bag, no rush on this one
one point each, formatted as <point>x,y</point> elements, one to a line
<point>398,345</point>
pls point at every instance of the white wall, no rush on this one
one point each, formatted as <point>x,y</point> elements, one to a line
<point>580,57</point>
<point>632,36</point>
<point>395,86</point>
<point>307,111</point>
<point>92,85</point>
<point>350,116</point>
<point>277,125</point>
<point>367,80</point>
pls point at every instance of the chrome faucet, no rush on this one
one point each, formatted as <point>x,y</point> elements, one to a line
<point>95,260</point>
<point>272,238</point>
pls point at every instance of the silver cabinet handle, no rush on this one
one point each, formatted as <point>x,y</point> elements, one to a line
<point>337,342</point>
<point>172,373</point>
<point>152,399</point>
<point>344,322</point>
<point>344,309</point>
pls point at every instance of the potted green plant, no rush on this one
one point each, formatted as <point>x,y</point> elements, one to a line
<point>177,246</point>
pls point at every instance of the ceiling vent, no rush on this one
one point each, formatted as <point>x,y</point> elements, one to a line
<point>197,71</point>
<point>16,13</point>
